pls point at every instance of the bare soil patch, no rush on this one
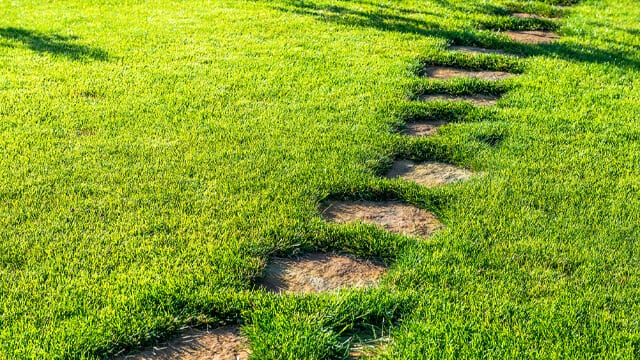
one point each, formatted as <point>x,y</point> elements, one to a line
<point>426,128</point>
<point>477,50</point>
<point>224,343</point>
<point>478,99</point>
<point>445,72</point>
<point>428,173</point>
<point>532,37</point>
<point>393,216</point>
<point>320,272</point>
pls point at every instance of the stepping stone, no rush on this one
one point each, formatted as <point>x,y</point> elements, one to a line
<point>427,128</point>
<point>477,50</point>
<point>224,343</point>
<point>478,99</point>
<point>319,272</point>
<point>444,72</point>
<point>429,174</point>
<point>529,16</point>
<point>532,37</point>
<point>393,216</point>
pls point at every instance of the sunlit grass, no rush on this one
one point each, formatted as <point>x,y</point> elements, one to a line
<point>153,157</point>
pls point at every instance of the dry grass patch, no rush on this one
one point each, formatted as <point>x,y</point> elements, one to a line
<point>393,216</point>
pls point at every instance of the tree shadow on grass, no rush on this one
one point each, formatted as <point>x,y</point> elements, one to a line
<point>52,43</point>
<point>351,17</point>
<point>384,21</point>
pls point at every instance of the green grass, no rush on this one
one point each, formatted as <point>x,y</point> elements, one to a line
<point>153,156</point>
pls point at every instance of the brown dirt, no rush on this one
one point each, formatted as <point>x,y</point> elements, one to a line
<point>532,37</point>
<point>444,72</point>
<point>429,173</point>
<point>319,272</point>
<point>424,128</point>
<point>479,100</point>
<point>393,216</point>
<point>225,343</point>
<point>476,50</point>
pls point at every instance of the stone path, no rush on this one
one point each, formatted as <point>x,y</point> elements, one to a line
<point>320,272</point>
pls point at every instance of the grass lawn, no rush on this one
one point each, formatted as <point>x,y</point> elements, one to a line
<point>154,155</point>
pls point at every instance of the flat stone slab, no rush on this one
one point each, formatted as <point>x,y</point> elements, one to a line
<point>529,16</point>
<point>393,216</point>
<point>425,128</point>
<point>445,72</point>
<point>319,272</point>
<point>429,174</point>
<point>477,50</point>
<point>224,343</point>
<point>532,37</point>
<point>479,99</point>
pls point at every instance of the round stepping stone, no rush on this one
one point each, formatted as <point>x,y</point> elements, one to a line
<point>477,50</point>
<point>478,99</point>
<point>429,174</point>
<point>424,128</point>
<point>444,72</point>
<point>529,16</point>
<point>224,343</point>
<point>319,272</point>
<point>532,37</point>
<point>393,216</point>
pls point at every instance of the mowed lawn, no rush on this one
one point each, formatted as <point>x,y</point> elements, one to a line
<point>155,154</point>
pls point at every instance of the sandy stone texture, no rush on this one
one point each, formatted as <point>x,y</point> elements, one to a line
<point>532,37</point>
<point>528,16</point>
<point>425,128</point>
<point>478,100</point>
<point>445,72</point>
<point>393,216</point>
<point>477,50</point>
<point>320,272</point>
<point>429,174</point>
<point>224,343</point>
